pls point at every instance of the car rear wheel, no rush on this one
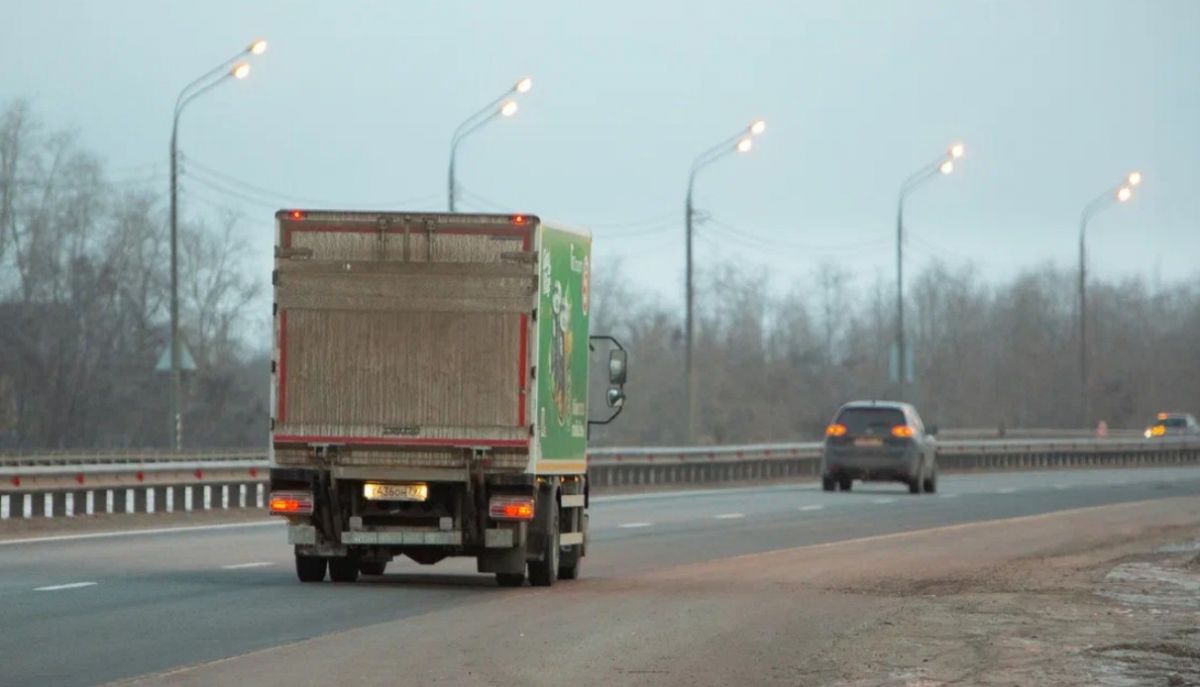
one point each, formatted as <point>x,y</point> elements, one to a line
<point>931,482</point>
<point>916,484</point>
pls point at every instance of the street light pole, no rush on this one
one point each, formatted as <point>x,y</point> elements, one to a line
<point>504,105</point>
<point>741,142</point>
<point>190,92</point>
<point>1120,193</point>
<point>943,165</point>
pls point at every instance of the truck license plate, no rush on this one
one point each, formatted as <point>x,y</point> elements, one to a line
<point>868,441</point>
<point>376,491</point>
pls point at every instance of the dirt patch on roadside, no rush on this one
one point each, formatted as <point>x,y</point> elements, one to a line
<point>1122,614</point>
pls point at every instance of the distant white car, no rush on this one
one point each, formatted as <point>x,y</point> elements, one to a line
<point>1173,425</point>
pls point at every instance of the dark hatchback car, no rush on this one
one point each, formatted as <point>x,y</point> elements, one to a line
<point>883,441</point>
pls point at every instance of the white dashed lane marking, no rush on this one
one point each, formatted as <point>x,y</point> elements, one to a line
<point>1006,490</point>
<point>59,587</point>
<point>730,516</point>
<point>883,500</point>
<point>815,507</point>
<point>242,566</point>
<point>632,525</point>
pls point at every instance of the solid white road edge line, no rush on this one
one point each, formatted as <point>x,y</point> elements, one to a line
<point>57,587</point>
<point>242,566</point>
<point>130,533</point>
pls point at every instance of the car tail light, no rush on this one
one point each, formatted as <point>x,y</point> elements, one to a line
<point>835,430</point>
<point>902,432</point>
<point>1158,430</point>
<point>510,508</point>
<point>291,502</point>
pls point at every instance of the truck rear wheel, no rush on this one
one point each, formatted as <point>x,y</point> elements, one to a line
<point>569,562</point>
<point>343,569</point>
<point>310,568</point>
<point>543,573</point>
<point>510,579</point>
<point>372,567</point>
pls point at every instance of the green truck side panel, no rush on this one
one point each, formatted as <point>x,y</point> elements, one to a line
<point>562,346</point>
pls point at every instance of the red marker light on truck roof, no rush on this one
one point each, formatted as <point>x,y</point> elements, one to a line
<point>519,219</point>
<point>296,214</point>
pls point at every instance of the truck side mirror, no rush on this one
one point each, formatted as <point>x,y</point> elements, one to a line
<point>616,369</point>
<point>616,397</point>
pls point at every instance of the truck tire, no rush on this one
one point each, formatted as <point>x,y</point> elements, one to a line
<point>846,484</point>
<point>543,573</point>
<point>828,483</point>
<point>372,567</point>
<point>510,579</point>
<point>343,569</point>
<point>569,562</point>
<point>310,568</point>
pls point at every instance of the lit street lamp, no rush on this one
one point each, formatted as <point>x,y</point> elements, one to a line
<point>740,142</point>
<point>231,68</point>
<point>503,106</point>
<point>943,165</point>
<point>1120,193</point>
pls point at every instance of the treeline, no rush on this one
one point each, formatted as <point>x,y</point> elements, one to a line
<point>986,355</point>
<point>84,298</point>
<point>84,307</point>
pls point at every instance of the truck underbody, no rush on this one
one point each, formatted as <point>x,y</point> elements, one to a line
<point>462,513</point>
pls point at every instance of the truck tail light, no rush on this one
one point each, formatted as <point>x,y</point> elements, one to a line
<point>291,502</point>
<point>902,432</point>
<point>835,430</point>
<point>510,508</point>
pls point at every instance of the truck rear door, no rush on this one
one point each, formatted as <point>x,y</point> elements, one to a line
<point>402,330</point>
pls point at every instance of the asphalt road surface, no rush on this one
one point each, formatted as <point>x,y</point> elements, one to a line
<point>89,609</point>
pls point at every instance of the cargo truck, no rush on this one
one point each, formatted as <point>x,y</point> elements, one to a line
<point>430,392</point>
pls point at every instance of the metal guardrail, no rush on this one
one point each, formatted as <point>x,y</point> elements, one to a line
<point>70,484</point>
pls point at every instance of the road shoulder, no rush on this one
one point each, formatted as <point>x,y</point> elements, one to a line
<point>1030,601</point>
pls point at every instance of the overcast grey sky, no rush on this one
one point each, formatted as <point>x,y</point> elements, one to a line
<point>355,102</point>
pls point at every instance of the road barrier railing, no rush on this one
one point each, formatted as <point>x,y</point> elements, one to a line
<point>88,483</point>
